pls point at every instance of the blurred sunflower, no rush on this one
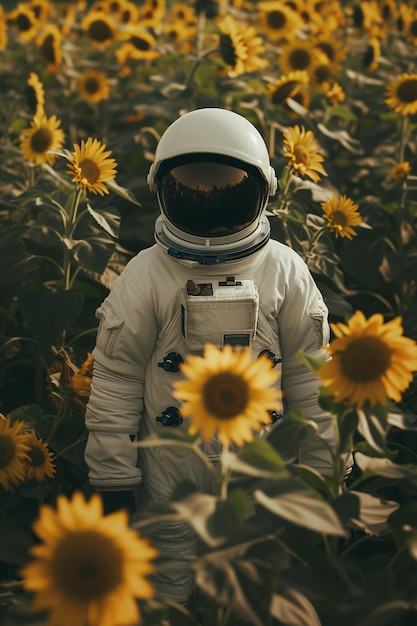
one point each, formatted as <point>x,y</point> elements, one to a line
<point>341,214</point>
<point>336,94</point>
<point>371,55</point>
<point>13,451</point>
<point>400,171</point>
<point>91,166</point>
<point>141,45</point>
<point>279,21</point>
<point>286,86</point>
<point>301,150</point>
<point>49,44</point>
<point>100,28</point>
<point>89,568</point>
<point>333,48</point>
<point>3,29</point>
<point>322,75</point>
<point>43,135</point>
<point>66,383</point>
<point>401,94</point>
<point>152,12</point>
<point>35,95</point>
<point>371,361</point>
<point>41,9</point>
<point>38,463</point>
<point>24,20</point>
<point>240,47</point>
<point>298,55</point>
<point>227,394</point>
<point>93,86</point>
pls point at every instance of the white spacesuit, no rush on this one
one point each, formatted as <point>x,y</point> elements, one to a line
<point>213,276</point>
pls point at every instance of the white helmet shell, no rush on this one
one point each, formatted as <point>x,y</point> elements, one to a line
<point>214,131</point>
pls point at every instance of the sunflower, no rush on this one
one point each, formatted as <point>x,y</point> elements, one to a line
<point>89,568</point>
<point>49,44</point>
<point>336,94</point>
<point>286,87</point>
<point>140,46</point>
<point>3,29</point>
<point>240,47</point>
<point>91,166</point>
<point>372,54</point>
<point>227,394</point>
<point>322,75</point>
<point>400,171</point>
<point>38,463</point>
<point>152,12</point>
<point>100,28</point>
<point>13,451</point>
<point>401,94</point>
<point>93,86</point>
<point>24,20</point>
<point>35,95</point>
<point>299,55</point>
<point>278,20</point>
<point>41,9</point>
<point>66,382</point>
<point>301,150</point>
<point>371,361</point>
<point>43,135</point>
<point>341,214</point>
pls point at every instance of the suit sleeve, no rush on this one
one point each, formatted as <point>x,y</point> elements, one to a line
<point>303,327</point>
<point>125,340</point>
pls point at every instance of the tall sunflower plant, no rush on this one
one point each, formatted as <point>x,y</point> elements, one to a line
<point>270,518</point>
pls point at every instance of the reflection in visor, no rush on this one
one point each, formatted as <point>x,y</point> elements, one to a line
<point>211,198</point>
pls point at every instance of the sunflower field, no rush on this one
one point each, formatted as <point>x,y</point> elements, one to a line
<point>87,89</point>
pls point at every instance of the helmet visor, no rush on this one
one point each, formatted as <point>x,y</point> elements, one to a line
<point>209,195</point>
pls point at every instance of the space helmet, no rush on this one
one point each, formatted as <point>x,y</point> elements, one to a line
<point>213,179</point>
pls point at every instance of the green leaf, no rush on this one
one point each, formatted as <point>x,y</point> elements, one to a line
<point>49,311</point>
<point>16,264</point>
<point>291,430</point>
<point>93,253</point>
<point>312,363</point>
<point>260,454</point>
<point>122,192</point>
<point>373,513</point>
<point>371,467</point>
<point>109,220</point>
<point>292,608</point>
<point>294,503</point>
<point>373,428</point>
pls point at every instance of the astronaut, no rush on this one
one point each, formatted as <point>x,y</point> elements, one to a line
<point>214,275</point>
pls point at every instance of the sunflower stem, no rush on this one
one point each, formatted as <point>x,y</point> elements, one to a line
<point>68,234</point>
<point>197,64</point>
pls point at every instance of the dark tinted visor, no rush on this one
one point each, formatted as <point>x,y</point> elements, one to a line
<point>210,195</point>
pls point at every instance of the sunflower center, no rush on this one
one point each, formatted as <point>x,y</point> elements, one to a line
<point>99,31</point>
<point>92,86</point>
<point>225,395</point>
<point>301,154</point>
<point>322,73</point>
<point>89,170</point>
<point>87,565</point>
<point>47,49</point>
<point>283,92</point>
<point>41,140</point>
<point>7,451</point>
<point>140,43</point>
<point>407,91</point>
<point>227,50</point>
<point>276,20</point>
<point>366,359</point>
<point>325,47</point>
<point>300,59</point>
<point>339,218</point>
<point>37,457</point>
<point>23,23</point>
